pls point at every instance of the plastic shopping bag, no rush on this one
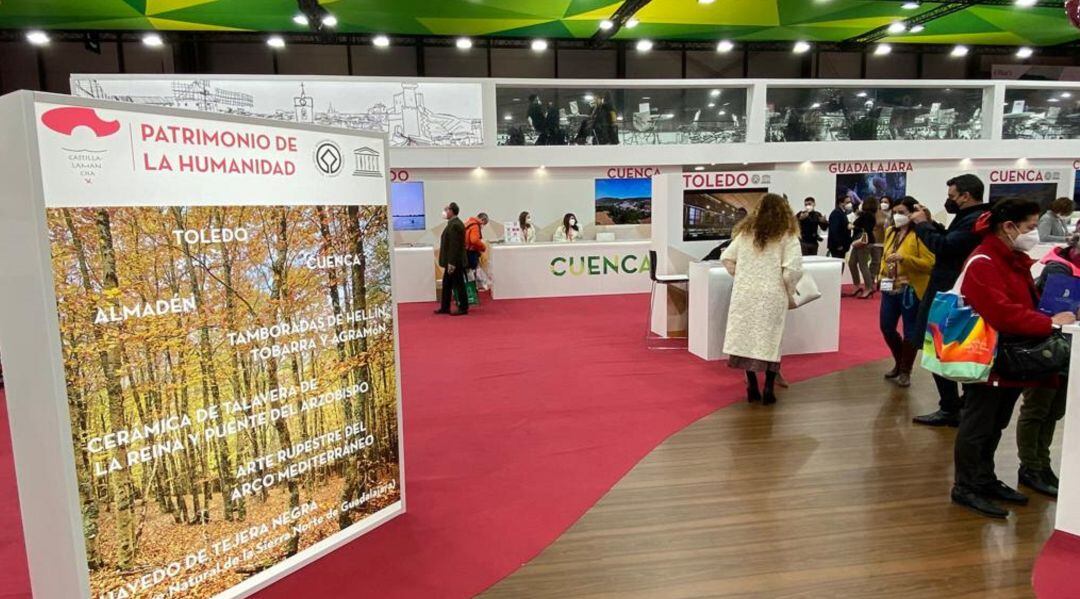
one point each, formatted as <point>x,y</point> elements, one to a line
<point>959,345</point>
<point>471,291</point>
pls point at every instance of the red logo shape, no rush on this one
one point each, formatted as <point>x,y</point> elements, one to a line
<point>64,120</point>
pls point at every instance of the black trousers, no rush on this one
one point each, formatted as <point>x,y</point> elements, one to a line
<point>809,248</point>
<point>454,284</point>
<point>949,399</point>
<point>986,413</point>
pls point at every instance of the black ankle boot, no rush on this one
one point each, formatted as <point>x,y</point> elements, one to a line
<point>752,392</point>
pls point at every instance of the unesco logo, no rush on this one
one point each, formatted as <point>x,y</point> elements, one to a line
<point>328,158</point>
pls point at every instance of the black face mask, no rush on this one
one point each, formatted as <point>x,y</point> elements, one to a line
<point>951,206</point>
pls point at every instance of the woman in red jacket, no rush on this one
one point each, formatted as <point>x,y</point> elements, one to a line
<point>999,287</point>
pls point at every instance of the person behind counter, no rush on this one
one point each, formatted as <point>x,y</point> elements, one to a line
<point>1054,223</point>
<point>528,231</point>
<point>811,223</point>
<point>453,261</point>
<point>569,231</point>
<point>765,260</point>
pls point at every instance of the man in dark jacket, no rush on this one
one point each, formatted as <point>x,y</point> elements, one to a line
<point>951,247</point>
<point>839,241</point>
<point>453,261</point>
<point>811,223</point>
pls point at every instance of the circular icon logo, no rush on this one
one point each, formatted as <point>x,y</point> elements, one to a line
<point>328,158</point>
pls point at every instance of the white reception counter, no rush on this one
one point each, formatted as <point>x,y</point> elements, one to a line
<point>414,274</point>
<point>1068,503</point>
<point>569,269</point>
<point>811,329</point>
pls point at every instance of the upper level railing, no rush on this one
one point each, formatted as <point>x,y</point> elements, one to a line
<point>470,113</point>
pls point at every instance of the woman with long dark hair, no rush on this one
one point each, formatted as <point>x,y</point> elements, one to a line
<point>862,249</point>
<point>765,259</point>
<point>528,231</point>
<point>569,231</point>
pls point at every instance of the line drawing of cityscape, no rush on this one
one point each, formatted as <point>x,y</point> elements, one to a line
<point>410,113</point>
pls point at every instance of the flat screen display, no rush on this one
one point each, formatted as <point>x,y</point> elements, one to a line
<point>711,214</point>
<point>1043,193</point>
<point>623,201</point>
<point>407,205</point>
<point>860,186</point>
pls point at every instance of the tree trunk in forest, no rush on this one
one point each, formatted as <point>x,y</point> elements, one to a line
<point>226,480</point>
<point>359,304</point>
<point>234,366</point>
<point>109,357</point>
<point>277,267</point>
<point>77,407</point>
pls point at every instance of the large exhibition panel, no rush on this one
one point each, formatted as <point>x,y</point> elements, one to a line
<point>205,396</point>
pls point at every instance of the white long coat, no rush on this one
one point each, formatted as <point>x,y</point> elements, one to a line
<point>764,281</point>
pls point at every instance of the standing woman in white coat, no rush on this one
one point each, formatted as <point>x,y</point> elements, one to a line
<point>766,261</point>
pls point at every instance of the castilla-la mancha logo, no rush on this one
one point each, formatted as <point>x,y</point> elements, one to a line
<point>85,153</point>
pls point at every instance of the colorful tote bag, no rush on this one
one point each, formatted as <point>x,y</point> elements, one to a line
<point>959,345</point>
<point>471,291</point>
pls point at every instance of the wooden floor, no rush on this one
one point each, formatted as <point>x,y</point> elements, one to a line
<point>831,493</point>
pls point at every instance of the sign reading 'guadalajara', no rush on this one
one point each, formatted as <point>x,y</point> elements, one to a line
<point>856,168</point>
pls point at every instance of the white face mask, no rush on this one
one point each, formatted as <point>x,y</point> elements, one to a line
<point>901,220</point>
<point>885,206</point>
<point>848,208</point>
<point>809,207</point>
<point>446,214</point>
<point>528,220</point>
<point>573,222</point>
<point>1026,241</point>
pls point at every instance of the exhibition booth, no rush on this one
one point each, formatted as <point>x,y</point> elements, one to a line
<point>357,215</point>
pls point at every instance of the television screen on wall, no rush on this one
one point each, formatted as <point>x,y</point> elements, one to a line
<point>711,215</point>
<point>1076,189</point>
<point>407,206</point>
<point>866,185</point>
<point>1043,193</point>
<point>623,201</point>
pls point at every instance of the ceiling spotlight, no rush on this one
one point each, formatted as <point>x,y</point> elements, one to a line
<point>539,45</point>
<point>507,117</point>
<point>882,49</point>
<point>1066,94</point>
<point>705,1</point>
<point>699,168</point>
<point>329,20</point>
<point>463,43</point>
<point>1024,52</point>
<point>910,5</point>
<point>606,24</point>
<point>724,46</point>
<point>897,27</point>
<point>631,23</point>
<point>1053,100</point>
<point>801,47</point>
<point>860,95</point>
<point>815,106</point>
<point>959,51</point>
<point>644,45</point>
<point>153,40</point>
<point>589,97</point>
<point>275,41</point>
<point>38,38</point>
<point>722,113</point>
<point>1026,3</point>
<point>917,29</point>
<point>712,104</point>
<point>381,41</point>
<point>301,19</point>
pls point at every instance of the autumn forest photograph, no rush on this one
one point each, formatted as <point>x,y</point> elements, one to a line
<point>231,382</point>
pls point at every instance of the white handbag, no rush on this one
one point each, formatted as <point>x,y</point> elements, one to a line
<point>806,291</point>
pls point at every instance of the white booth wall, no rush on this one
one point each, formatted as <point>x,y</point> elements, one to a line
<point>548,193</point>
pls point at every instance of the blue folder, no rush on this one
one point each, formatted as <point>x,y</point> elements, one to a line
<point>1062,294</point>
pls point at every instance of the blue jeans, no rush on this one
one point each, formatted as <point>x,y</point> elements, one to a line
<point>896,307</point>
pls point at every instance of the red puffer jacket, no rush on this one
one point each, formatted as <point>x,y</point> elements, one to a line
<point>1002,291</point>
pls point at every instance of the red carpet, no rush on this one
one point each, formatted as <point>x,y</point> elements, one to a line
<point>518,418</point>
<point>1055,570</point>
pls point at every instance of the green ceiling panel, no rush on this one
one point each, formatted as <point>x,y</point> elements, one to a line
<point>745,20</point>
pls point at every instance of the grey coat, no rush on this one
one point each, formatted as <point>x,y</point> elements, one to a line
<point>1052,229</point>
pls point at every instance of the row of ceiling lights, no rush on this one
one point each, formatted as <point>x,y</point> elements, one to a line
<point>40,38</point>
